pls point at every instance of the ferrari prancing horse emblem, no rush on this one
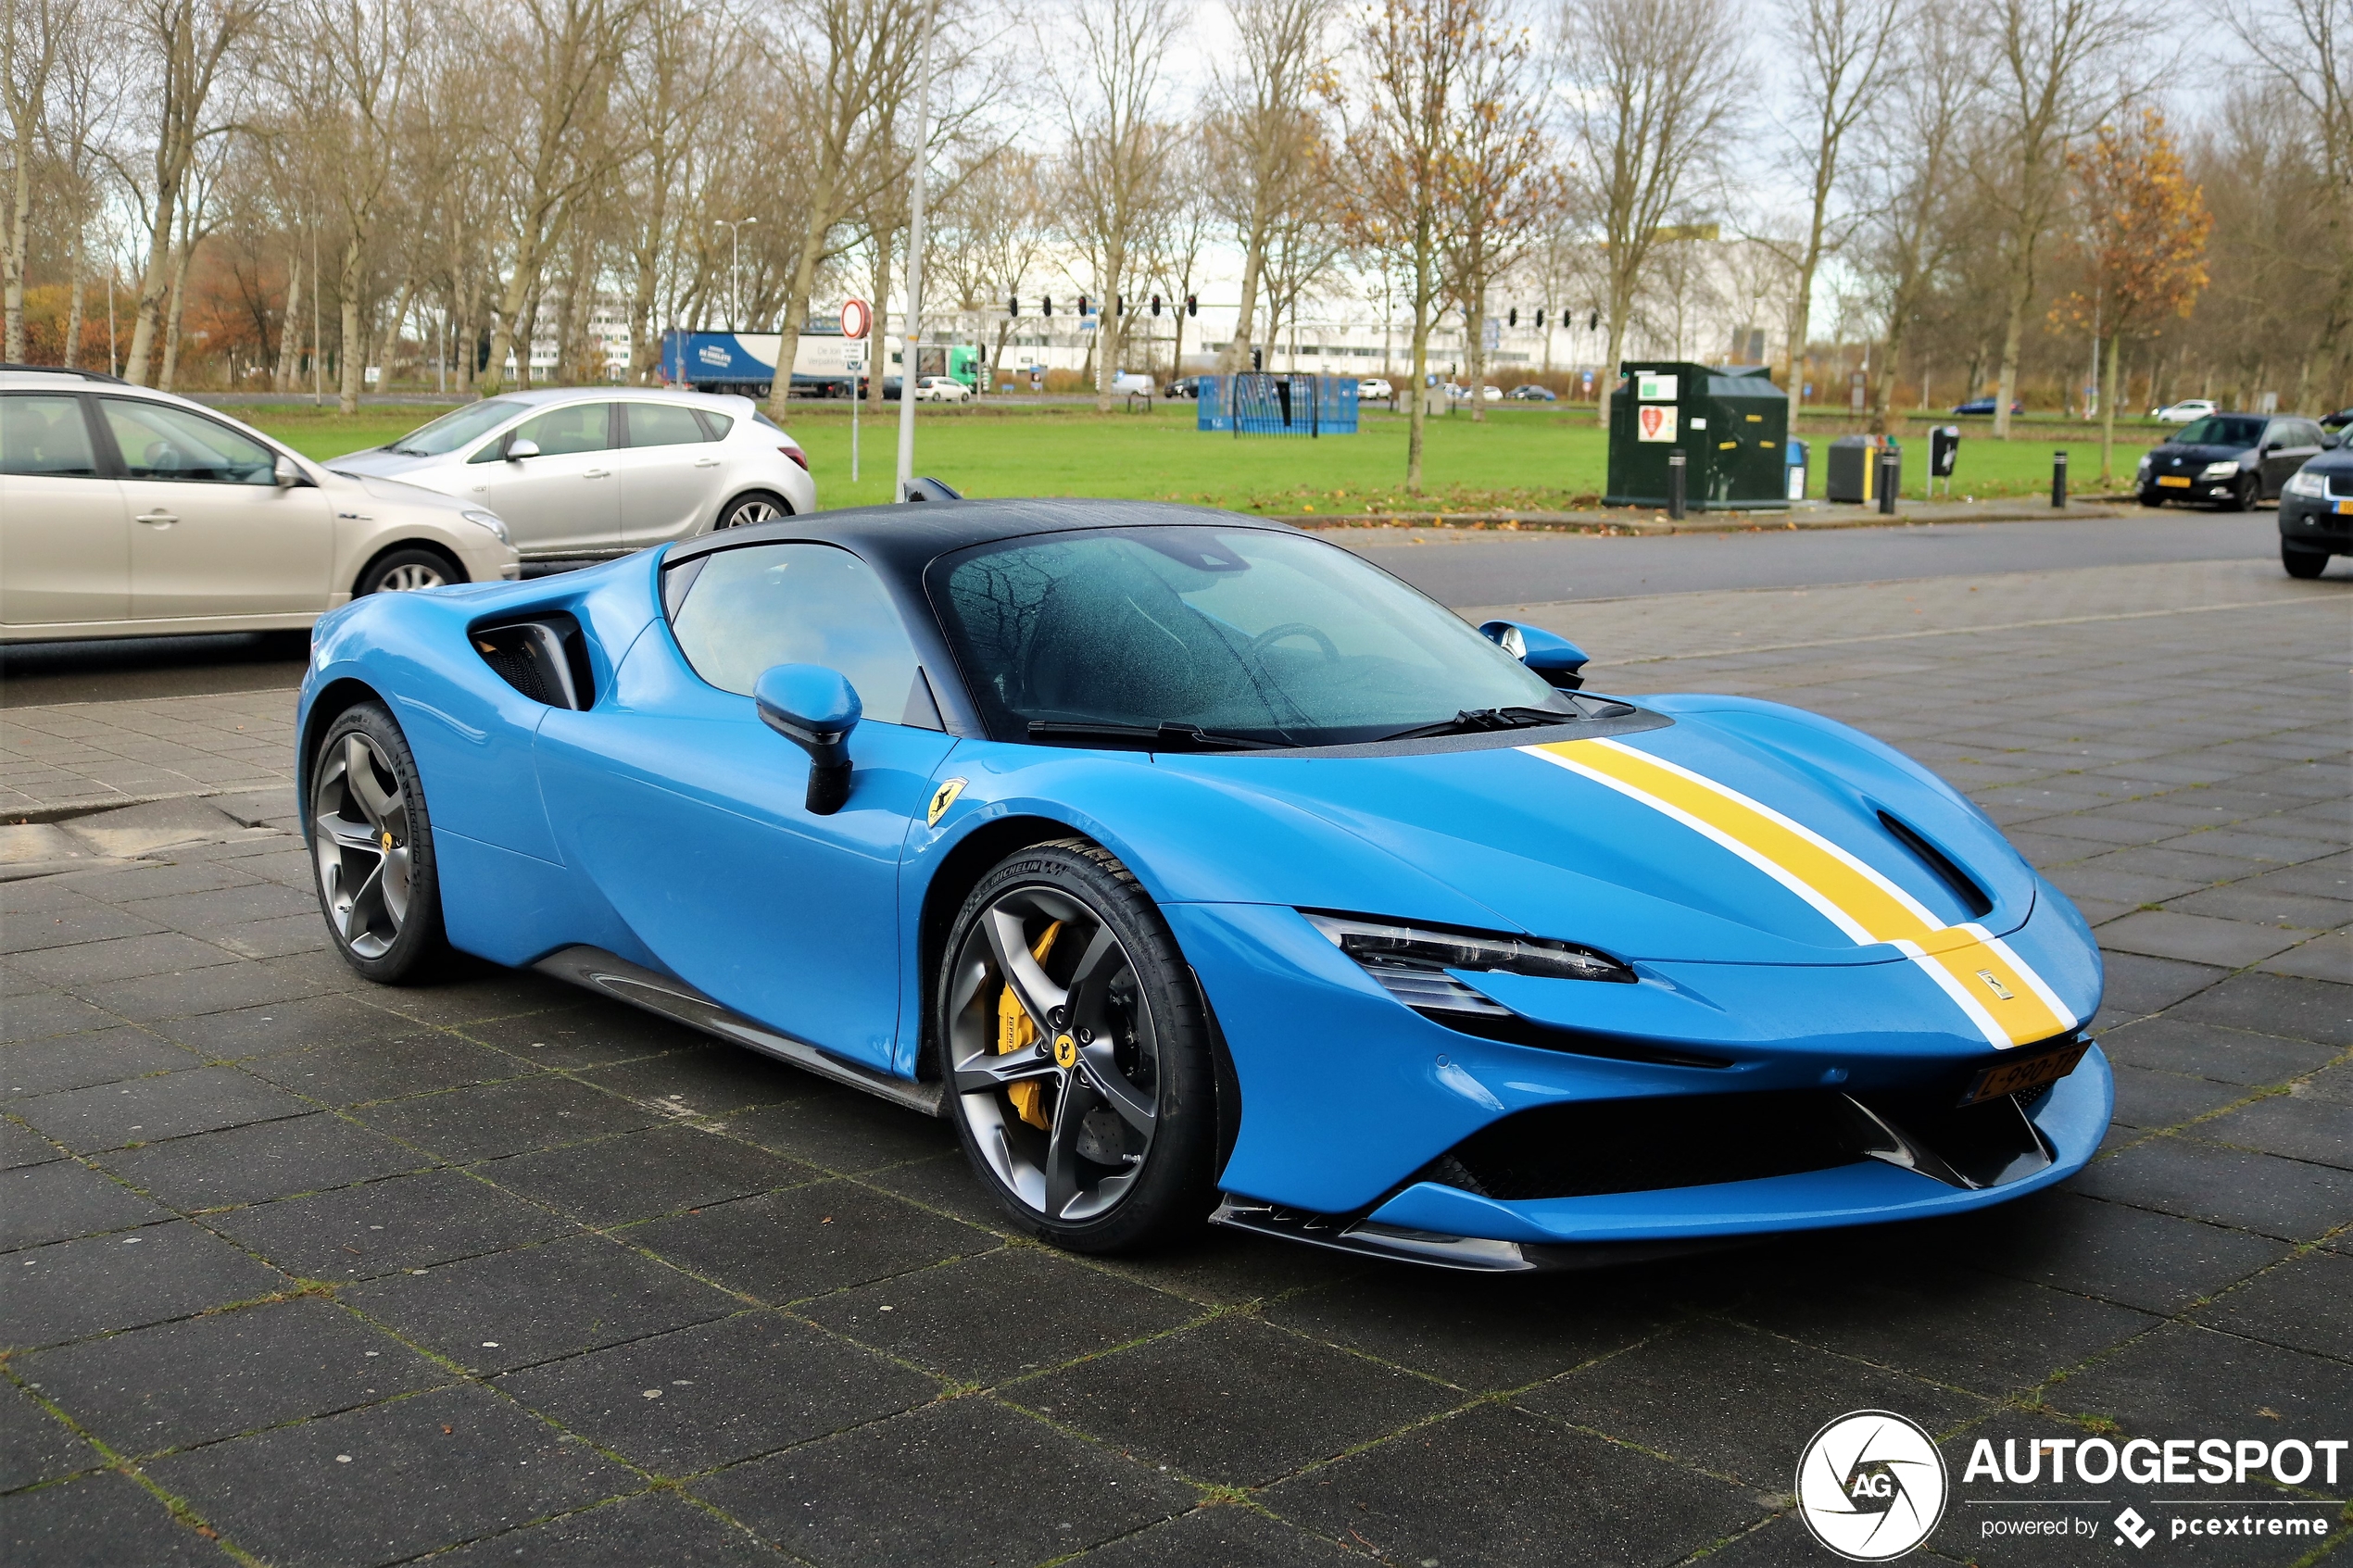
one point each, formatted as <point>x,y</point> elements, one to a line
<point>1993,984</point>
<point>1066,1051</point>
<point>941,798</point>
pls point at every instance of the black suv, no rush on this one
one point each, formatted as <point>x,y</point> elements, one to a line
<point>2316,513</point>
<point>2236,459</point>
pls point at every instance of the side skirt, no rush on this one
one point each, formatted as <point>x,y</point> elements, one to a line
<point>617,977</point>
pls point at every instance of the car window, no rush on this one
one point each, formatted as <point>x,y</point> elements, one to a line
<point>715,425</point>
<point>576,427</point>
<point>752,609</point>
<point>2222,430</point>
<point>454,430</point>
<point>662,424</point>
<point>159,442</point>
<point>46,435</point>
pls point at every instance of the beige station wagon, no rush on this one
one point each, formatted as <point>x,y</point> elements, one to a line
<point>130,512</point>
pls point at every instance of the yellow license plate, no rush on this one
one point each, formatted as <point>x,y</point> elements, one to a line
<point>2020,1075</point>
<point>2174,482</point>
<point>2344,509</point>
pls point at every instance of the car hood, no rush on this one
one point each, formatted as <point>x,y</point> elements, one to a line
<point>1764,838</point>
<point>2170,450</point>
<point>393,492</point>
<point>381,461</point>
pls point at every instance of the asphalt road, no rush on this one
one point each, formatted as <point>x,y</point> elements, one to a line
<point>1458,568</point>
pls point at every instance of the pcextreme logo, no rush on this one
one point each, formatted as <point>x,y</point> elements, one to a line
<point>1871,1485</point>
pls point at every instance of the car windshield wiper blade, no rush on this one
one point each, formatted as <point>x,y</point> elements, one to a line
<point>409,451</point>
<point>1477,720</point>
<point>1160,736</point>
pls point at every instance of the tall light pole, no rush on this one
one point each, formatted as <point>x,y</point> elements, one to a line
<point>735,227</point>
<point>908,361</point>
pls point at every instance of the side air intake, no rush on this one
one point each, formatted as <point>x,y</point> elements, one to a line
<point>545,657</point>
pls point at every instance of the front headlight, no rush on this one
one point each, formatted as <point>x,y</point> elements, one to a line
<point>2304,482</point>
<point>1405,957</point>
<point>2146,459</point>
<point>2220,470</point>
<point>491,521</point>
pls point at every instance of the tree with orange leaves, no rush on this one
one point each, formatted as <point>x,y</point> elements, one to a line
<point>2144,242</point>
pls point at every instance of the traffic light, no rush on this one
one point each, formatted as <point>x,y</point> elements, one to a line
<point>1593,323</point>
<point>1540,318</point>
<point>1119,305</point>
<point>1511,316</point>
<point>1082,306</point>
<point>1045,306</point>
<point>1155,305</point>
<point>1013,305</point>
<point>1193,305</point>
<point>1257,359</point>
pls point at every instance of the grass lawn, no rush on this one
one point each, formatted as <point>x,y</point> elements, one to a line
<point>1526,459</point>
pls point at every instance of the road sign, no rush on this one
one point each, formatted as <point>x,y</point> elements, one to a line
<point>857,316</point>
<point>853,357</point>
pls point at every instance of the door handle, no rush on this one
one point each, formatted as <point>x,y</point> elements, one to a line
<point>160,518</point>
<point>706,462</point>
<point>596,473</point>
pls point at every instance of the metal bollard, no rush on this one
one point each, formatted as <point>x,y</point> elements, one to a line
<point>1890,479</point>
<point>1675,485</point>
<point>2058,478</point>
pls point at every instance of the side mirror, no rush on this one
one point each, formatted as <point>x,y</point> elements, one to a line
<point>815,708</point>
<point>525,447</point>
<point>2330,442</point>
<point>1560,661</point>
<point>284,474</point>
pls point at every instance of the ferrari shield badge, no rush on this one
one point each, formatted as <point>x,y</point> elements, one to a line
<point>941,798</point>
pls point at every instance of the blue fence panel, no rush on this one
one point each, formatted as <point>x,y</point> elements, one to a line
<point>1271,405</point>
<point>1216,411</point>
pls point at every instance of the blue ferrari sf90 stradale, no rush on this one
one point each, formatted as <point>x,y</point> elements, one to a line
<point>1196,870</point>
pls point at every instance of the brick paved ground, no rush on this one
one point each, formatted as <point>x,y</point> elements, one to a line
<point>302,1272</point>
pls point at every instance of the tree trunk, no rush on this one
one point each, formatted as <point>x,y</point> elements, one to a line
<point>2108,393</point>
<point>19,223</point>
<point>1801,326</point>
<point>155,285</point>
<point>73,301</point>
<point>878,339</point>
<point>289,338</point>
<point>1475,353</point>
<point>1417,409</point>
<point>2013,334</point>
<point>1253,264</point>
<point>179,295</point>
<point>353,344</point>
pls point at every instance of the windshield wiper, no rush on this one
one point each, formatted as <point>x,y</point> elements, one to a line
<point>1478,720</point>
<point>1167,737</point>
<point>407,451</point>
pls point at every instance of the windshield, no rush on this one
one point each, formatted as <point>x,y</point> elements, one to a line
<point>455,430</point>
<point>2222,430</point>
<point>1239,631</point>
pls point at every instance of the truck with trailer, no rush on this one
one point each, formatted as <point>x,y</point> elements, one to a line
<point>744,363</point>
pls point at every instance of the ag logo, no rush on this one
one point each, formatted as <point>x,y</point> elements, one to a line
<point>1870,1485</point>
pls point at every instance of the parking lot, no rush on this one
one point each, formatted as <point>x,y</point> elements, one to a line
<point>302,1270</point>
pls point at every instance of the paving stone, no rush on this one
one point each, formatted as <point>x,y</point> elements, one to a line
<point>964,1483</point>
<point>388,1226</point>
<point>248,900</point>
<point>124,958</point>
<point>1500,1486</point>
<point>76,1061</point>
<point>219,988</point>
<point>2183,1379</point>
<point>36,1445</point>
<point>2295,1125</point>
<point>2331,878</point>
<point>276,1028</point>
<point>659,1527</point>
<point>1227,1536</point>
<point>2172,1044</point>
<point>2305,1303</point>
<point>2073,1241</point>
<point>2232,944</point>
<point>1223,1267</point>
<point>265,1160</point>
<point>1016,1309</point>
<point>2138,984</point>
<point>578,1036</point>
<point>1233,1402</point>
<point>2327,957</point>
<point>38,1015</point>
<point>1734,1403</point>
<point>20,1145</point>
<point>214,1377</point>
<point>387,1069</point>
<point>62,1200</point>
<point>705,1081</point>
<point>807,1240</point>
<point>2148,1099</point>
<point>2249,901</point>
<point>274,938</point>
<point>506,1310</point>
<point>2263,1193</point>
<point>98,1522</point>
<point>482,1123</point>
<point>2304,1009</point>
<point>132,883</point>
<point>638,1175</point>
<point>2334,1086</point>
<point>74,1289</point>
<point>945,1182</point>
<point>147,1110</point>
<point>1496,1334</point>
<point>474,992</point>
<point>389,1481</point>
<point>719,1392</point>
<point>843,1130</point>
<point>63,924</point>
<point>1779,1542</point>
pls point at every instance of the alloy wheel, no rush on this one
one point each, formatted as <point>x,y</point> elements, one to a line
<point>751,513</point>
<point>407,577</point>
<point>361,842</point>
<point>1054,1053</point>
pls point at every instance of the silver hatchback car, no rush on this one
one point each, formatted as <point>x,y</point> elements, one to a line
<point>578,472</point>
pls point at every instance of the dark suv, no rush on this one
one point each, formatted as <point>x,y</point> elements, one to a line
<point>2316,513</point>
<point>2236,459</point>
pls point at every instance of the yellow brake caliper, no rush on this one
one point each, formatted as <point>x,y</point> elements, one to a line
<point>1016,1031</point>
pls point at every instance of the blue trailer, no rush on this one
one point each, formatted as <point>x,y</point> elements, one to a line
<point>744,363</point>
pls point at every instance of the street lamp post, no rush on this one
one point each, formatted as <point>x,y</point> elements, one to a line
<point>735,227</point>
<point>910,356</point>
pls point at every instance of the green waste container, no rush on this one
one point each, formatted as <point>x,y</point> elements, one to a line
<point>1731,423</point>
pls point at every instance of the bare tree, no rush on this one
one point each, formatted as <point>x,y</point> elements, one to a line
<point>1395,192</point>
<point>32,34</point>
<point>993,231</point>
<point>1118,152</point>
<point>2052,66</point>
<point>2304,49</point>
<point>80,105</point>
<point>1911,174</point>
<point>1659,105</point>
<point>1181,233</point>
<point>1265,130</point>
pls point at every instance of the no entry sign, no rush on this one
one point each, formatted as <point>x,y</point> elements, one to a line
<point>857,316</point>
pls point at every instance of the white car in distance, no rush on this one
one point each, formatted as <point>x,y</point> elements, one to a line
<point>580,472</point>
<point>126,512</point>
<point>942,389</point>
<point>1371,387</point>
<point>2183,413</point>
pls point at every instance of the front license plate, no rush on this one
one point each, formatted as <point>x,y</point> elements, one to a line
<point>2017,1075</point>
<point>2172,482</point>
<point>2344,509</point>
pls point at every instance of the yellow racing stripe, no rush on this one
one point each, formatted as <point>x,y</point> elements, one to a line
<point>2001,994</point>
